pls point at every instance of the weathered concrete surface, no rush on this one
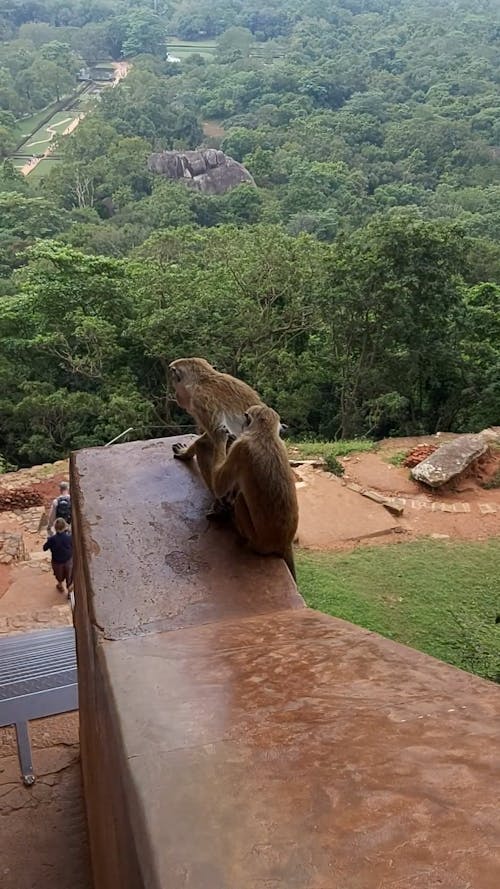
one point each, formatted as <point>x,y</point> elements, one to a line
<point>145,529</point>
<point>262,744</point>
<point>301,752</point>
<point>449,460</point>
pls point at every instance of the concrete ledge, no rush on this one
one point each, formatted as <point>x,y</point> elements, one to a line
<point>233,739</point>
<point>156,562</point>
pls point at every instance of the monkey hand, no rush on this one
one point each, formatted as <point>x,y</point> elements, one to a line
<point>222,433</point>
<point>181,451</point>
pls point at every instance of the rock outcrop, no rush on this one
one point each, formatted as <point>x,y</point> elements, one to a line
<point>207,170</point>
<point>450,460</point>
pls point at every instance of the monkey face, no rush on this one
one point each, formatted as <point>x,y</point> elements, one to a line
<point>261,416</point>
<point>185,375</point>
<point>178,380</point>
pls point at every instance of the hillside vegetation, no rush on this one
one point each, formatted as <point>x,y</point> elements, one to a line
<point>356,287</point>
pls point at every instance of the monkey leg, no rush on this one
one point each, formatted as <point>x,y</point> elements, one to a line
<point>204,450</point>
<point>222,508</point>
<point>243,520</point>
<point>246,530</point>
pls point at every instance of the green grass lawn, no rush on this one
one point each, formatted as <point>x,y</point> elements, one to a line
<point>27,124</point>
<point>204,44</point>
<point>42,169</point>
<point>40,140</point>
<point>183,48</point>
<point>332,448</point>
<point>207,48</point>
<point>441,598</point>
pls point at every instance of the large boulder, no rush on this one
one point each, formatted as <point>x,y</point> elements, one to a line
<point>450,460</point>
<point>206,170</point>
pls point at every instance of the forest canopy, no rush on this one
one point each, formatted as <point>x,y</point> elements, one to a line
<point>356,286</point>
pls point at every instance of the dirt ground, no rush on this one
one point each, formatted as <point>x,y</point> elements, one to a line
<point>329,519</point>
<point>43,839</point>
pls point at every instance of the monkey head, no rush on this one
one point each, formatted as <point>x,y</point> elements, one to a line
<point>185,373</point>
<point>261,417</point>
<point>189,370</point>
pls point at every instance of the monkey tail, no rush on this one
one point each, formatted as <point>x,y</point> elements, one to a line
<point>290,562</point>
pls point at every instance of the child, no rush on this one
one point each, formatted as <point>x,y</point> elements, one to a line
<point>61,547</point>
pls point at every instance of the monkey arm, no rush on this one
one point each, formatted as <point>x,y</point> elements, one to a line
<point>225,467</point>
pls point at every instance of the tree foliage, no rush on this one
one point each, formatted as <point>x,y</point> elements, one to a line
<point>356,285</point>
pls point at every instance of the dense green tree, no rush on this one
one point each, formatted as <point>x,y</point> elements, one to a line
<point>138,107</point>
<point>396,309</point>
<point>24,218</point>
<point>76,385</point>
<point>7,141</point>
<point>480,405</point>
<point>53,81</point>
<point>143,32</point>
<point>356,286</point>
<point>234,43</point>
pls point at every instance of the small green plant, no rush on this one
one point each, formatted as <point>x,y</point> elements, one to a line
<point>328,449</point>
<point>493,482</point>
<point>397,459</point>
<point>333,465</point>
<point>5,466</point>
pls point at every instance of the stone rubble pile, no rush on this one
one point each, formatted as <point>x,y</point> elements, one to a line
<point>421,452</point>
<point>20,498</point>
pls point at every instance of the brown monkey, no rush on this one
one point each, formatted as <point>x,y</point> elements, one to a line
<point>266,511</point>
<point>213,399</point>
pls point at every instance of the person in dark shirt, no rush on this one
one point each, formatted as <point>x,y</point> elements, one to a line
<point>60,508</point>
<point>61,548</point>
